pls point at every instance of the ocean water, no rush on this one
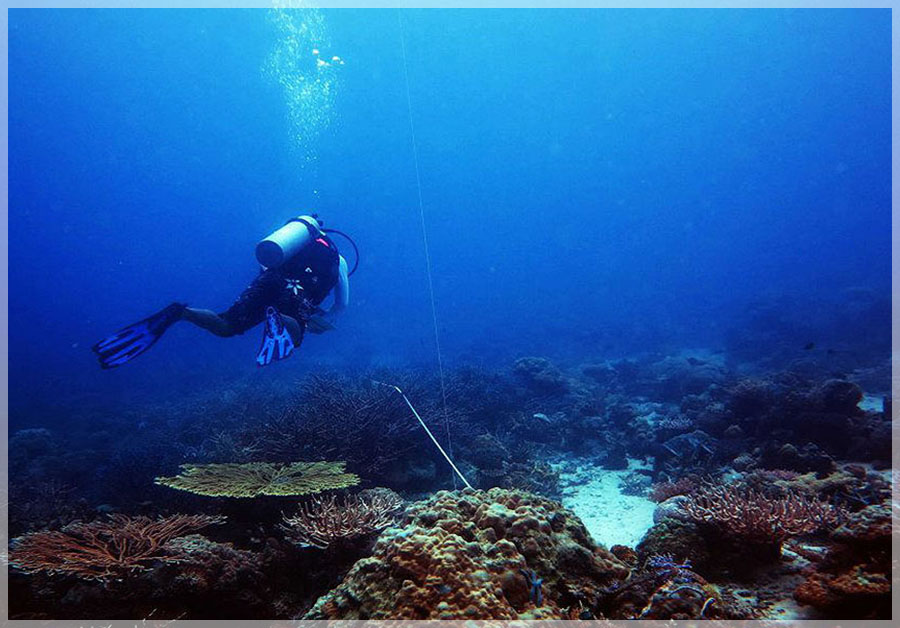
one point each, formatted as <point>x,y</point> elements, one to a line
<point>603,187</point>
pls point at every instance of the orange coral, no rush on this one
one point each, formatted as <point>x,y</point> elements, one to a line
<point>853,579</point>
<point>104,549</point>
<point>825,590</point>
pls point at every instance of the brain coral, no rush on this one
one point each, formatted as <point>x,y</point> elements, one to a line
<point>467,555</point>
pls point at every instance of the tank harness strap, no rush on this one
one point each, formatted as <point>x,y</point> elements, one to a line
<point>313,229</point>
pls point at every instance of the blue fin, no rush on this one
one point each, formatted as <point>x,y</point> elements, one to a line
<point>130,342</point>
<point>276,342</point>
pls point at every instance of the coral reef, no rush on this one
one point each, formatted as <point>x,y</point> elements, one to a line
<point>461,555</point>
<point>541,375</point>
<point>681,539</point>
<point>661,491</point>
<point>368,426</point>
<point>756,518</point>
<point>203,580</point>
<point>853,580</point>
<point>48,504</point>
<point>673,377</point>
<point>105,549</point>
<point>532,477</point>
<point>260,478</point>
<point>770,490</point>
<point>323,521</point>
<point>666,588</point>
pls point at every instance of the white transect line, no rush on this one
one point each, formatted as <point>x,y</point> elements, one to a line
<point>427,431</point>
<point>437,340</point>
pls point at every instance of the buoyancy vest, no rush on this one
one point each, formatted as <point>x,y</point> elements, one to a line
<point>313,272</point>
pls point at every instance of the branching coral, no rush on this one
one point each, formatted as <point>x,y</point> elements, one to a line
<point>757,518</point>
<point>105,549</point>
<point>322,521</point>
<point>350,419</point>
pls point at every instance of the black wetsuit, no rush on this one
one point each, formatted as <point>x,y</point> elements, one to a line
<point>295,288</point>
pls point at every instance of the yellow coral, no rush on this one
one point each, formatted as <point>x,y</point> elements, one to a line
<point>260,478</point>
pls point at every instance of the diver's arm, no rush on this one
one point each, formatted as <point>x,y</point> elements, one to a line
<point>324,321</point>
<point>341,291</point>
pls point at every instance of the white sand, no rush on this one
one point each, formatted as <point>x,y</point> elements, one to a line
<point>592,493</point>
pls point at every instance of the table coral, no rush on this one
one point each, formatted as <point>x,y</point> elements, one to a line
<point>252,479</point>
<point>461,555</point>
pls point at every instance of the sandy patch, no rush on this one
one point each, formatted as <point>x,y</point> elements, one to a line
<point>593,494</point>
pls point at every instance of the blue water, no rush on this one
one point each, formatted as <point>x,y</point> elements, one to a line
<point>594,184</point>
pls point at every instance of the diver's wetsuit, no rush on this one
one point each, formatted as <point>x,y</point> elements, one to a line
<point>291,293</point>
<point>295,289</point>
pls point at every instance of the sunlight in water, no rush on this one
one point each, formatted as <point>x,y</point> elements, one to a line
<point>306,74</point>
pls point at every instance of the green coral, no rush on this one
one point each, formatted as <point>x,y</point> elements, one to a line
<point>260,478</point>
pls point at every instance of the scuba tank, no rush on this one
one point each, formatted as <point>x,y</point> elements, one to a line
<point>284,243</point>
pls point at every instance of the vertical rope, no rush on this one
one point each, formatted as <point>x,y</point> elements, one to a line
<point>427,431</point>
<point>437,339</point>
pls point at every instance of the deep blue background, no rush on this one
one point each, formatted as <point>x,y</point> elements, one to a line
<point>594,182</point>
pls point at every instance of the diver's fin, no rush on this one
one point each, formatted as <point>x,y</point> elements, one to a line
<point>130,342</point>
<point>276,342</point>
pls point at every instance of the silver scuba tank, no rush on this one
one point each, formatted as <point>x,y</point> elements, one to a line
<point>282,244</point>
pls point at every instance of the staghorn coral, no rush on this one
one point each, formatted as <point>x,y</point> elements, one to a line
<point>369,426</point>
<point>203,580</point>
<point>757,518</point>
<point>323,520</point>
<point>461,555</point>
<point>105,549</point>
<point>260,478</point>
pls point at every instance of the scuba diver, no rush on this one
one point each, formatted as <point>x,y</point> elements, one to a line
<point>301,266</point>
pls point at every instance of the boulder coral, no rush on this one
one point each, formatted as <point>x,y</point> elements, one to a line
<point>496,554</point>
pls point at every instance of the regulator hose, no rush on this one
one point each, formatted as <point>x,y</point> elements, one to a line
<point>352,243</point>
